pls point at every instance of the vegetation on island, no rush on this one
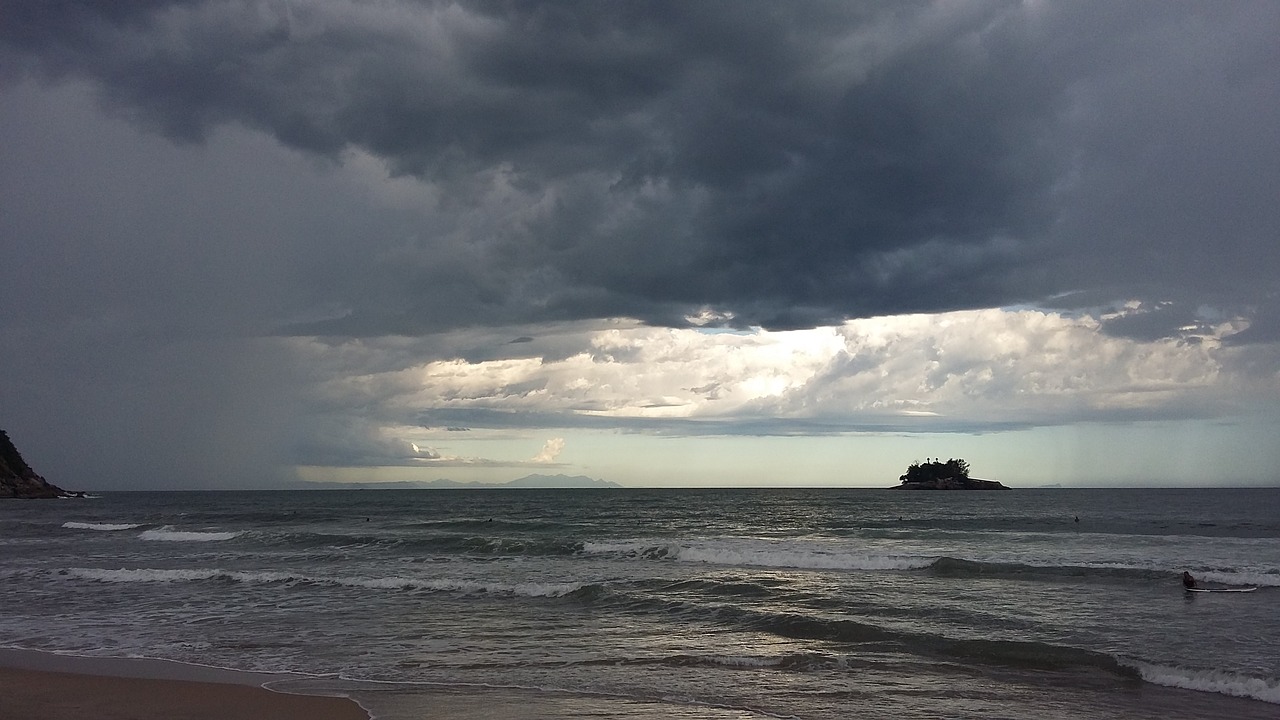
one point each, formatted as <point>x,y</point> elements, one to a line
<point>950,475</point>
<point>935,470</point>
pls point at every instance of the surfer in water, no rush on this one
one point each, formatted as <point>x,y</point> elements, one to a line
<point>1188,582</point>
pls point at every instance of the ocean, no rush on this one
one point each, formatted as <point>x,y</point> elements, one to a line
<point>674,603</point>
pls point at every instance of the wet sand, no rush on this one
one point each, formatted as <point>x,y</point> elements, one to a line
<point>44,686</point>
<point>31,690</point>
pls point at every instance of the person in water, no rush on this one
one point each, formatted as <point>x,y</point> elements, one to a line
<point>1188,581</point>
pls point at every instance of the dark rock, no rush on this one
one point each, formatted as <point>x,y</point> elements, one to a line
<point>953,484</point>
<point>18,480</point>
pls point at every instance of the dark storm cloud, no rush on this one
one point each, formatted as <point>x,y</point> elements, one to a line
<point>793,164</point>
<point>1149,323</point>
<point>1264,325</point>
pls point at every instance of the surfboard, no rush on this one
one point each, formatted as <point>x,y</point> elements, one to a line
<point>1234,589</point>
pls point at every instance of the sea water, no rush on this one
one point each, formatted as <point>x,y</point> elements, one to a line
<point>791,603</point>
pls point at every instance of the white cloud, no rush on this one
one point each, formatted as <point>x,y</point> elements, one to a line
<point>1023,366</point>
<point>970,370</point>
<point>976,366</point>
<point>550,451</point>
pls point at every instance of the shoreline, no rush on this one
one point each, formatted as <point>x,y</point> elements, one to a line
<point>42,685</point>
<point>48,686</point>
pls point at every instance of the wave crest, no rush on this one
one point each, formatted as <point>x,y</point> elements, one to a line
<point>1216,681</point>
<point>758,554</point>
<point>168,534</point>
<point>105,527</point>
<point>466,587</point>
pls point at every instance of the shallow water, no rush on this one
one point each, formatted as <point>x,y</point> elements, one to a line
<point>662,603</point>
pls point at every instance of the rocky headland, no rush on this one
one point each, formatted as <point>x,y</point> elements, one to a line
<point>18,480</point>
<point>950,475</point>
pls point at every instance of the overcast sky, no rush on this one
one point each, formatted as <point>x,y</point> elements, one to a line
<point>246,243</point>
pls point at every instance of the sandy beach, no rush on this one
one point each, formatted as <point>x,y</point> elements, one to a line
<point>43,694</point>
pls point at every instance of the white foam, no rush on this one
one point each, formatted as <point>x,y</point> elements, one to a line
<point>1216,681</point>
<point>739,661</point>
<point>168,534</point>
<point>184,575</point>
<point>156,575</point>
<point>142,575</point>
<point>456,586</point>
<point>1261,579</point>
<point>627,547</point>
<point>756,553</point>
<point>803,559</point>
<point>108,527</point>
<point>473,587</point>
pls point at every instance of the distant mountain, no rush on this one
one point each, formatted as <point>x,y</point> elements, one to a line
<point>559,481</point>
<point>18,480</point>
<point>528,481</point>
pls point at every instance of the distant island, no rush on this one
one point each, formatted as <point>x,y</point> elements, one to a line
<point>18,480</point>
<point>950,475</point>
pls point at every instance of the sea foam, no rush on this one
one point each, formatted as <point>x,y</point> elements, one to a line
<point>1225,683</point>
<point>122,575</point>
<point>466,587</point>
<point>1261,579</point>
<point>804,556</point>
<point>100,526</point>
<point>168,534</point>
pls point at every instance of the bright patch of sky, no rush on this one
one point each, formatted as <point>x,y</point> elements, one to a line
<point>827,405</point>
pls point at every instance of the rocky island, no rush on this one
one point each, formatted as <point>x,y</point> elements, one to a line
<point>18,480</point>
<point>950,475</point>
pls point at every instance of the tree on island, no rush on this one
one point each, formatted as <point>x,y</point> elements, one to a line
<point>952,469</point>
<point>950,475</point>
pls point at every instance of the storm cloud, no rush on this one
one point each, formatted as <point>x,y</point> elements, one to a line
<point>303,205</point>
<point>787,166</point>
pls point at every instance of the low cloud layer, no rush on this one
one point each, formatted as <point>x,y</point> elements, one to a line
<point>300,230</point>
<point>965,371</point>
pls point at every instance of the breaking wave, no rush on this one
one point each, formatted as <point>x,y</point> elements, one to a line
<point>961,568</point>
<point>465,587</point>
<point>1261,579</point>
<point>168,534</point>
<point>1215,681</point>
<point>478,545</point>
<point>105,527</point>
<point>758,554</point>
